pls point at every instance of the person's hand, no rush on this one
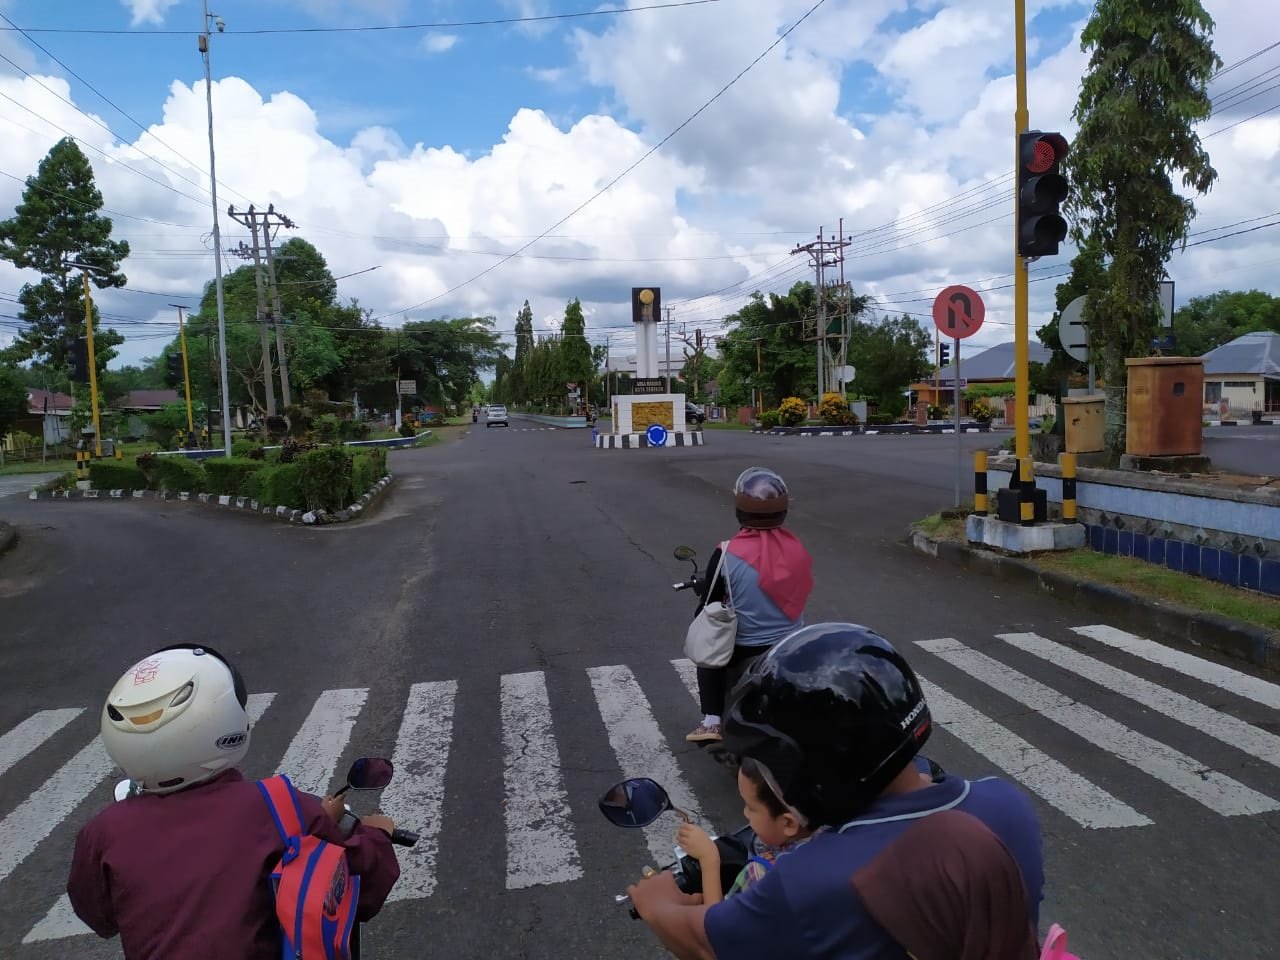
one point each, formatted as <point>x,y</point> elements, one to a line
<point>697,843</point>
<point>334,807</point>
<point>381,821</point>
<point>659,889</point>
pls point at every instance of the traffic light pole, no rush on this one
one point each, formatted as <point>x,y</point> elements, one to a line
<point>186,370</point>
<point>93,367</point>
<point>1021,332</point>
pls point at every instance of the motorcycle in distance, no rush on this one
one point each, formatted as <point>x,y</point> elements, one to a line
<point>639,802</point>
<point>366,773</point>
<point>696,582</point>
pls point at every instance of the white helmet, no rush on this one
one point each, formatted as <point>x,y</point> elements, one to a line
<point>176,718</point>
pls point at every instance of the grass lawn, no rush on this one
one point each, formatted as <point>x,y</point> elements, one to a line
<point>1137,577</point>
<point>722,425</point>
<point>13,467</point>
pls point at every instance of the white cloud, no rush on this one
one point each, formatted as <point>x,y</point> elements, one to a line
<point>148,11</point>
<point>439,42</point>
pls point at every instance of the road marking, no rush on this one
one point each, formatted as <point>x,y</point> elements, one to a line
<point>540,844</point>
<point>313,755</point>
<point>61,920</point>
<point>1214,723</point>
<point>1233,681</point>
<point>688,676</point>
<point>1084,802</point>
<point>32,732</point>
<point>1183,773</point>
<point>641,749</point>
<point>415,799</point>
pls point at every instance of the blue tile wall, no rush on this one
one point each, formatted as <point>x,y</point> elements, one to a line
<point>1110,538</point>
<point>1173,555</point>
<point>1140,547</point>
<point>1229,567</point>
<point>1269,582</point>
<point>1191,559</point>
<point>1124,546</point>
<point>1250,572</point>
<point>1209,563</point>
<point>1097,535</point>
<point>1157,550</point>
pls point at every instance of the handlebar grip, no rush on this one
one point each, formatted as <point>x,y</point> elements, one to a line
<point>404,838</point>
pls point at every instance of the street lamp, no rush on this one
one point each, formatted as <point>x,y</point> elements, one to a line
<point>85,269</point>
<point>217,233</point>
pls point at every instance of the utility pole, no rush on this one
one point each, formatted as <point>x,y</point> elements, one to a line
<point>278,317</point>
<point>217,232</point>
<point>84,269</point>
<point>186,373</point>
<point>668,312</point>
<point>250,220</point>
<point>819,252</point>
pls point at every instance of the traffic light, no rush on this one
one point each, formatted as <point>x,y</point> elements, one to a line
<point>78,360</point>
<point>173,363</point>
<point>1041,189</point>
<point>944,355</point>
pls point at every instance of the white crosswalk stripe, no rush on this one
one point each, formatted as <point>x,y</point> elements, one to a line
<point>1217,792</point>
<point>541,817</point>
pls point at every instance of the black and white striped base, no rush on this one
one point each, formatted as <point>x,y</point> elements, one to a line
<point>636,441</point>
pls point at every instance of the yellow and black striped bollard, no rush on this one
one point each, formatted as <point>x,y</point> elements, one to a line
<point>1026,493</point>
<point>1068,462</point>
<point>980,483</point>
<point>82,464</point>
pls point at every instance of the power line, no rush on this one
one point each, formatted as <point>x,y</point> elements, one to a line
<point>497,21</point>
<point>599,193</point>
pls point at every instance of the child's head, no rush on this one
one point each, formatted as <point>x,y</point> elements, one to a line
<point>768,816</point>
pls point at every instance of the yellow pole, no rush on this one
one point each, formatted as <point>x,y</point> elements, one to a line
<point>186,371</point>
<point>1022,123</point>
<point>980,483</point>
<point>1068,462</point>
<point>93,367</point>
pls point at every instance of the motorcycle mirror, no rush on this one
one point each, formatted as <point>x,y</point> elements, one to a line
<point>685,553</point>
<point>125,789</point>
<point>635,803</point>
<point>370,773</point>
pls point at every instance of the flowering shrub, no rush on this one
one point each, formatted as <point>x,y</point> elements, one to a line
<point>792,411</point>
<point>981,411</point>
<point>835,411</point>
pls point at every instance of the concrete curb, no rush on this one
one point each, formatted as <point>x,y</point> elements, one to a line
<point>8,537</point>
<point>1192,628</point>
<point>895,429</point>
<point>237,504</point>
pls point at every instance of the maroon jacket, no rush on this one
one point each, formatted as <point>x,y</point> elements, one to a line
<point>187,874</point>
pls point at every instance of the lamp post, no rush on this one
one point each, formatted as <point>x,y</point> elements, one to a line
<point>217,233</point>
<point>85,269</point>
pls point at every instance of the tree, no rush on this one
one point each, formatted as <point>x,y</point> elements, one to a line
<point>58,220</point>
<point>524,346</point>
<point>13,398</point>
<point>787,362</point>
<point>1144,91</point>
<point>575,352</point>
<point>1204,323</point>
<point>888,357</point>
<point>446,356</point>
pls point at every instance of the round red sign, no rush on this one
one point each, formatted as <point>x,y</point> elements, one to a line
<point>958,312</point>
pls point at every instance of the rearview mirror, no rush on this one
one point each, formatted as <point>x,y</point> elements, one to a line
<point>635,803</point>
<point>125,789</point>
<point>370,773</point>
<point>685,553</point>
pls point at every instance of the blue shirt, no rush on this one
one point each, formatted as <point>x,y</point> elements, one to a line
<point>805,907</point>
<point>760,622</point>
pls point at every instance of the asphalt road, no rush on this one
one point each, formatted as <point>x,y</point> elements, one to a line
<point>1245,449</point>
<point>503,627</point>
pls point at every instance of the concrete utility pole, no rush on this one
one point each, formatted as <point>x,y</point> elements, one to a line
<point>275,298</point>
<point>250,220</point>
<point>818,253</point>
<point>668,311</point>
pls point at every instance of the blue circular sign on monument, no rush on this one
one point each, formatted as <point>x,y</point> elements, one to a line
<point>656,435</point>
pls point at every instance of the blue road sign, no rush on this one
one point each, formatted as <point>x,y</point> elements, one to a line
<point>656,435</point>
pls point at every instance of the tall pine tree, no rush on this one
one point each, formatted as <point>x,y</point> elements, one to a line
<point>58,220</point>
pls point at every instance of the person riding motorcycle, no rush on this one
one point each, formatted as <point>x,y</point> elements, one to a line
<point>182,869</point>
<point>768,575</point>
<point>835,718</point>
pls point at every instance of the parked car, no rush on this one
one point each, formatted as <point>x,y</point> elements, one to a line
<point>496,413</point>
<point>693,413</point>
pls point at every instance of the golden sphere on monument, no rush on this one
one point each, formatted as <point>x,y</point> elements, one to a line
<point>646,297</point>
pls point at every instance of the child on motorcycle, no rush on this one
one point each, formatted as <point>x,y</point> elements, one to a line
<point>778,829</point>
<point>181,869</point>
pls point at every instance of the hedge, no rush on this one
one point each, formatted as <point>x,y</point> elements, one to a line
<point>109,475</point>
<point>280,485</point>
<point>367,468</point>
<point>326,475</point>
<point>173,473</point>
<point>230,476</point>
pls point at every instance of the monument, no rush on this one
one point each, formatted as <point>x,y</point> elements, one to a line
<point>649,416</point>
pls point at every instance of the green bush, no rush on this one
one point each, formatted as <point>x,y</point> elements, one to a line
<point>230,476</point>
<point>367,468</point>
<point>175,473</point>
<point>770,419</point>
<point>109,475</point>
<point>328,428</point>
<point>792,411</point>
<point>242,448</point>
<point>407,430</point>
<point>326,478</point>
<point>281,485</point>
<point>881,419</point>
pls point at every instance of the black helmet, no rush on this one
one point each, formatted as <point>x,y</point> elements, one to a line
<point>834,713</point>
<point>760,499</point>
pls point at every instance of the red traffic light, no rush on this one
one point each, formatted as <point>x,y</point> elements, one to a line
<point>1043,151</point>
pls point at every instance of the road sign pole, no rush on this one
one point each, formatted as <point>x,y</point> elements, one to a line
<point>1021,331</point>
<point>955,352</point>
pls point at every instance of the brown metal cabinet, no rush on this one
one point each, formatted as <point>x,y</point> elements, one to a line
<point>1164,415</point>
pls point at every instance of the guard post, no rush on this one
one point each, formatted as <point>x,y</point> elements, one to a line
<point>82,464</point>
<point>1026,493</point>
<point>980,483</point>
<point>1068,464</point>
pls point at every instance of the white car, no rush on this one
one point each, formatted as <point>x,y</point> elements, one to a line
<point>496,413</point>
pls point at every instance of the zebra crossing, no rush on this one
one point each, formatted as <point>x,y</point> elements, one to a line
<point>541,816</point>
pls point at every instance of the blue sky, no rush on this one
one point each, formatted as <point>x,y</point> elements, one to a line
<point>432,154</point>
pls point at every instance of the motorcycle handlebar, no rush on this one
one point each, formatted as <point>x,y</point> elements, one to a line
<point>404,838</point>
